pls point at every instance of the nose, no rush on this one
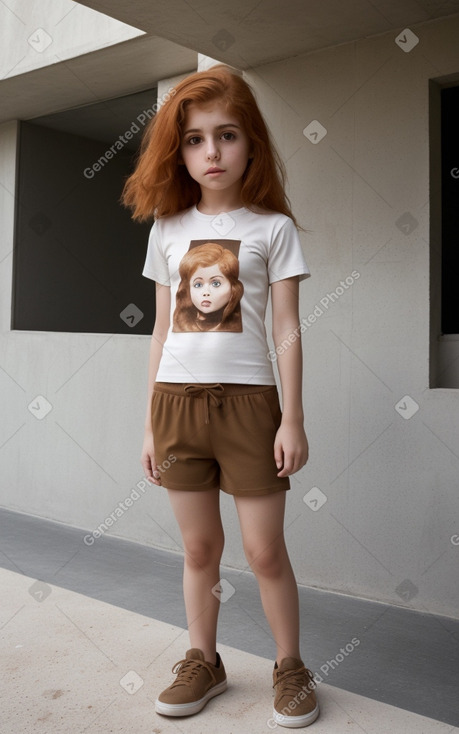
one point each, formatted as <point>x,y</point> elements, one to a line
<point>212,150</point>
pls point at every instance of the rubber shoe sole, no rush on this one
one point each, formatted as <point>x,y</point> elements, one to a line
<point>295,722</point>
<point>187,709</point>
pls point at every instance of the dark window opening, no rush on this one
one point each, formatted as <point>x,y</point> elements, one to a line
<point>78,256</point>
<point>450,210</point>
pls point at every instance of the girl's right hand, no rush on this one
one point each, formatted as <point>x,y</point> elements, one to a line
<point>148,460</point>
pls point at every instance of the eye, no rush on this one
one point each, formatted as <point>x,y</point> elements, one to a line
<point>216,283</point>
<point>193,140</point>
<point>197,285</point>
<point>228,136</point>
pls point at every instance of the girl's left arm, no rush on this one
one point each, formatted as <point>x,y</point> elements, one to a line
<point>291,445</point>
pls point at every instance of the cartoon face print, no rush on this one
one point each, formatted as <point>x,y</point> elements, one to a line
<point>210,290</point>
<point>209,294</point>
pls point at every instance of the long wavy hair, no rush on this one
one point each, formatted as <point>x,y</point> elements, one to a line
<point>160,186</point>
<point>210,253</point>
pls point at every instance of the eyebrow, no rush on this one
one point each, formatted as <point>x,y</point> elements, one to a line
<point>212,277</point>
<point>218,127</point>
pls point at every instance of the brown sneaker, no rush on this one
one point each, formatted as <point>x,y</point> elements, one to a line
<point>196,683</point>
<point>295,702</point>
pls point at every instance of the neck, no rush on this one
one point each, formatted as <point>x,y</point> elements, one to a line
<point>215,202</point>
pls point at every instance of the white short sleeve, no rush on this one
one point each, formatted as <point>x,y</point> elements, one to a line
<point>156,266</point>
<point>286,257</point>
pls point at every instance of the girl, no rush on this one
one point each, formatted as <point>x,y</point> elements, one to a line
<point>208,167</point>
<point>210,291</point>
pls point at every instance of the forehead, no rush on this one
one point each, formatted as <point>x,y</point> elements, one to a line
<point>211,115</point>
<point>209,270</point>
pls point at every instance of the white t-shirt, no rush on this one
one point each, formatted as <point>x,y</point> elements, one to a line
<point>219,268</point>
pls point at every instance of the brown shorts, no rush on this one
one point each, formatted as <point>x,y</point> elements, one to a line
<point>217,436</point>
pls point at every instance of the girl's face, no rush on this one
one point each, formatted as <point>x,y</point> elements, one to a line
<point>210,290</point>
<point>215,149</point>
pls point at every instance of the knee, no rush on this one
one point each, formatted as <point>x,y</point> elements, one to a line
<point>268,562</point>
<point>202,553</point>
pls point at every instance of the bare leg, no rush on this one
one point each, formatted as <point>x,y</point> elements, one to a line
<point>262,526</point>
<point>198,516</point>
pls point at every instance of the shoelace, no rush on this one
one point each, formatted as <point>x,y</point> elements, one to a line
<point>292,681</point>
<point>187,671</point>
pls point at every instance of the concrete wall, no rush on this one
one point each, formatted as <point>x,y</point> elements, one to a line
<point>362,191</point>
<point>383,468</point>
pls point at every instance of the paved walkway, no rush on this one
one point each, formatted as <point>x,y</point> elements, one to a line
<point>75,664</point>
<point>89,636</point>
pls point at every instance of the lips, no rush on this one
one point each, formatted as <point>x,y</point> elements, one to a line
<point>215,170</point>
<point>205,303</point>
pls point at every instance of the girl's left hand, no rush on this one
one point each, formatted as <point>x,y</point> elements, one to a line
<point>291,448</point>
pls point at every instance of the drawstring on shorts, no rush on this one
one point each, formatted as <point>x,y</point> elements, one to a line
<point>210,393</point>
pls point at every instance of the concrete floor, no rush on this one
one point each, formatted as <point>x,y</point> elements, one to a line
<point>90,634</point>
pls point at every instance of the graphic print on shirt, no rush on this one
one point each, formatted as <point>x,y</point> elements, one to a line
<point>209,293</point>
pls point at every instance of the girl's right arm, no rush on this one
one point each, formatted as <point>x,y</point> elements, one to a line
<point>163,303</point>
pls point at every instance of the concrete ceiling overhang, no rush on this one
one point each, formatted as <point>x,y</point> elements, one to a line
<point>243,33</point>
<point>248,33</point>
<point>113,71</point>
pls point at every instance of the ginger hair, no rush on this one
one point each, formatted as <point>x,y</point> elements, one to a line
<point>161,186</point>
